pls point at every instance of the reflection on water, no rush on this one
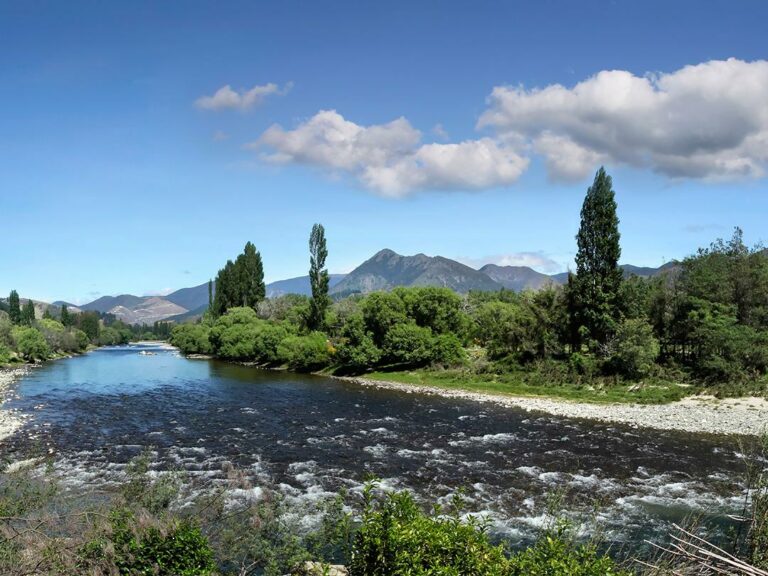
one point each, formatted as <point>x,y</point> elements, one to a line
<point>309,436</point>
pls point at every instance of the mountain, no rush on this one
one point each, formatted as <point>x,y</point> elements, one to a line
<point>387,269</point>
<point>107,303</point>
<point>190,298</point>
<point>384,271</point>
<point>517,278</point>
<point>147,311</point>
<point>299,285</point>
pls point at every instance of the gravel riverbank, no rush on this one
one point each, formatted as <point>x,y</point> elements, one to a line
<point>9,421</point>
<point>703,414</point>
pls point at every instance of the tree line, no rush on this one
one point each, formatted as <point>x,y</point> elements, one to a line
<point>703,320</point>
<point>25,338</point>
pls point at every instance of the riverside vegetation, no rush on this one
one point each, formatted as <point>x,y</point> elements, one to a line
<point>25,338</point>
<point>701,325</point>
<point>150,525</point>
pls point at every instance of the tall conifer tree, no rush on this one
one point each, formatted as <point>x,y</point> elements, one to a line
<point>14,309</point>
<point>28,313</point>
<point>65,318</point>
<point>598,276</point>
<point>318,277</point>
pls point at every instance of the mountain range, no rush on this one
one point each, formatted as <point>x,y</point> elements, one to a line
<point>383,271</point>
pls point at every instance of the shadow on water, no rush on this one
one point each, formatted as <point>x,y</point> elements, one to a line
<point>309,436</point>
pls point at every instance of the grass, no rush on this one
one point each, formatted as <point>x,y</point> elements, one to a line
<point>531,384</point>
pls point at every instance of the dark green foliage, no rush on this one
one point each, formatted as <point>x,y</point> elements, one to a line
<point>408,344</point>
<point>598,277</point>
<point>634,348</point>
<point>192,338</point>
<point>14,308</point>
<point>382,311</point>
<point>65,318</point>
<point>250,271</point>
<point>89,323</point>
<point>31,344</point>
<point>356,350</point>
<point>318,278</point>
<point>28,313</point>
<point>439,309</point>
<point>306,353</point>
<point>239,283</point>
<point>556,554</point>
<point>396,537</point>
<point>178,549</point>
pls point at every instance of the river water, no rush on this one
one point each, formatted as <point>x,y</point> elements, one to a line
<point>307,437</point>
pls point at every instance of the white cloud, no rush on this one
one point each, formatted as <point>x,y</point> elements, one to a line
<point>389,158</point>
<point>703,121</point>
<point>226,97</point>
<point>536,260</point>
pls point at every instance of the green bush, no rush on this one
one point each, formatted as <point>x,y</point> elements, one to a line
<point>31,344</point>
<point>555,554</point>
<point>447,350</point>
<point>356,349</point>
<point>408,344</point>
<point>635,348</point>
<point>191,338</point>
<point>306,353</point>
<point>396,538</point>
<point>176,549</point>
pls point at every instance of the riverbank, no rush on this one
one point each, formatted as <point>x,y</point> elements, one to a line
<point>747,416</point>
<point>10,421</point>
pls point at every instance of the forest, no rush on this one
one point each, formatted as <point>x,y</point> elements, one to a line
<point>702,323</point>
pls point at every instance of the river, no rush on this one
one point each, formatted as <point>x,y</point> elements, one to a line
<point>306,437</point>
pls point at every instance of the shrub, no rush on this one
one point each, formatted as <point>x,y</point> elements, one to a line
<point>31,344</point>
<point>192,338</point>
<point>635,348</point>
<point>447,350</point>
<point>306,353</point>
<point>396,537</point>
<point>176,549</point>
<point>408,344</point>
<point>356,350</point>
<point>555,554</point>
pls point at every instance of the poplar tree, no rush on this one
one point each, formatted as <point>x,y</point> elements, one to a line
<point>65,317</point>
<point>598,276</point>
<point>210,294</point>
<point>318,277</point>
<point>28,313</point>
<point>251,277</point>
<point>14,309</point>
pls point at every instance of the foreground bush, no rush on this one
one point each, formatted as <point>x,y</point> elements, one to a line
<point>397,538</point>
<point>140,546</point>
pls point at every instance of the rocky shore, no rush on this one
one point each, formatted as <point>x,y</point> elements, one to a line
<point>9,421</point>
<point>701,414</point>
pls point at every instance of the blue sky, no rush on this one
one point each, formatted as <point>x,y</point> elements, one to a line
<point>465,129</point>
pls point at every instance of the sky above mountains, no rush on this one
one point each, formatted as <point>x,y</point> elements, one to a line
<point>142,144</point>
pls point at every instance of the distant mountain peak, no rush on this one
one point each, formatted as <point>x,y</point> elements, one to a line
<point>386,269</point>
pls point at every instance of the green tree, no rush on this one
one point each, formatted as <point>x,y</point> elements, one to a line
<point>250,277</point>
<point>598,276</point>
<point>65,317</point>
<point>210,294</point>
<point>318,277</point>
<point>14,309</point>
<point>28,313</point>
<point>31,344</point>
<point>89,323</point>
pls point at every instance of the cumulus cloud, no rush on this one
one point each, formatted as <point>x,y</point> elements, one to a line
<point>706,121</point>
<point>226,97</point>
<point>391,159</point>
<point>536,260</point>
